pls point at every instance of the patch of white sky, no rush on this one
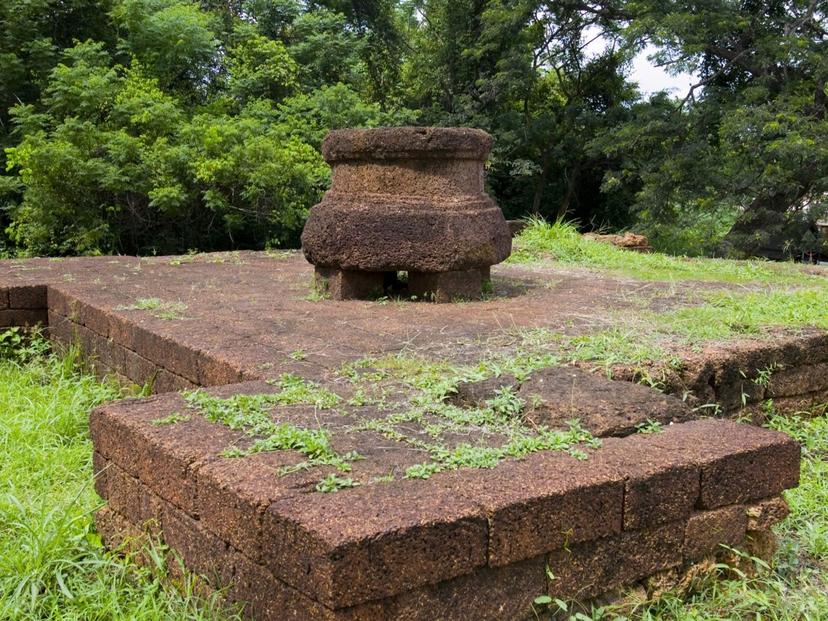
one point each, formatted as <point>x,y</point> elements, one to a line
<point>645,72</point>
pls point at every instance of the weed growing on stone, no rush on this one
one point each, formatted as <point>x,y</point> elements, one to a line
<point>521,443</point>
<point>333,483</point>
<point>172,419</point>
<point>250,414</point>
<point>295,390</point>
<point>435,379</point>
<point>648,427</point>
<point>157,308</point>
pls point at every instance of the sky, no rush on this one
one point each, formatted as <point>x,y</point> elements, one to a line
<point>652,79</point>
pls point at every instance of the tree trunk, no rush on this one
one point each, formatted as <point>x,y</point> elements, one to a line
<point>572,184</point>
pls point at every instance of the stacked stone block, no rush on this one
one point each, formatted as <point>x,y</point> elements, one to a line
<point>443,547</point>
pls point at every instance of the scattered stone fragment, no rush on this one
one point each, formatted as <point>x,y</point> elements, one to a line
<point>627,241</point>
<point>765,513</point>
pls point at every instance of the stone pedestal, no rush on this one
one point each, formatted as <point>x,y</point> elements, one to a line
<point>406,199</point>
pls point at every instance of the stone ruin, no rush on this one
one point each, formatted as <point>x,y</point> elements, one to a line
<point>406,199</point>
<point>644,511</point>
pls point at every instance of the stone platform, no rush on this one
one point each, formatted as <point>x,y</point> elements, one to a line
<point>468,543</point>
<point>334,472</point>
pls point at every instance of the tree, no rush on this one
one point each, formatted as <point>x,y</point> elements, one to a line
<point>751,133</point>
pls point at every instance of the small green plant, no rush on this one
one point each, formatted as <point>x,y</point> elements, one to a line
<point>506,402</point>
<point>299,354</point>
<point>296,390</point>
<point>15,344</point>
<point>250,413</point>
<point>184,259</point>
<point>422,471</point>
<point>764,376</point>
<point>333,483</point>
<point>317,294</point>
<point>648,427</point>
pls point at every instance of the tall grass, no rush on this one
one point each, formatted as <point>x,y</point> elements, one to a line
<point>52,564</point>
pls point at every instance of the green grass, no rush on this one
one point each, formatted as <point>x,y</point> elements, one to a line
<point>725,315</point>
<point>760,299</point>
<point>250,414</point>
<point>52,564</point>
<point>560,242</point>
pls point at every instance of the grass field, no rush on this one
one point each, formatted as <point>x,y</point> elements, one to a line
<point>52,564</point>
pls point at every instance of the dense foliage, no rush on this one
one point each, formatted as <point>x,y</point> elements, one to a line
<point>167,125</point>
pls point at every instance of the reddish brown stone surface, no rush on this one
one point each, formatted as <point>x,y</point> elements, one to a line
<point>232,497</point>
<point>542,503</point>
<point>589,569</point>
<point>373,541</point>
<point>350,284</point>
<point>22,318</point>
<point>27,297</point>
<point>707,531</point>
<point>604,407</point>
<point>392,548</point>
<point>161,456</point>
<point>489,594</point>
<point>738,462</point>
<point>247,312</point>
<point>659,486</point>
<point>446,286</point>
<point>729,373</point>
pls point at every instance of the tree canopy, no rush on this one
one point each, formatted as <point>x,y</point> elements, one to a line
<point>142,126</point>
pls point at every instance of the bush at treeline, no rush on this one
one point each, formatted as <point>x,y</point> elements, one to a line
<point>161,126</point>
